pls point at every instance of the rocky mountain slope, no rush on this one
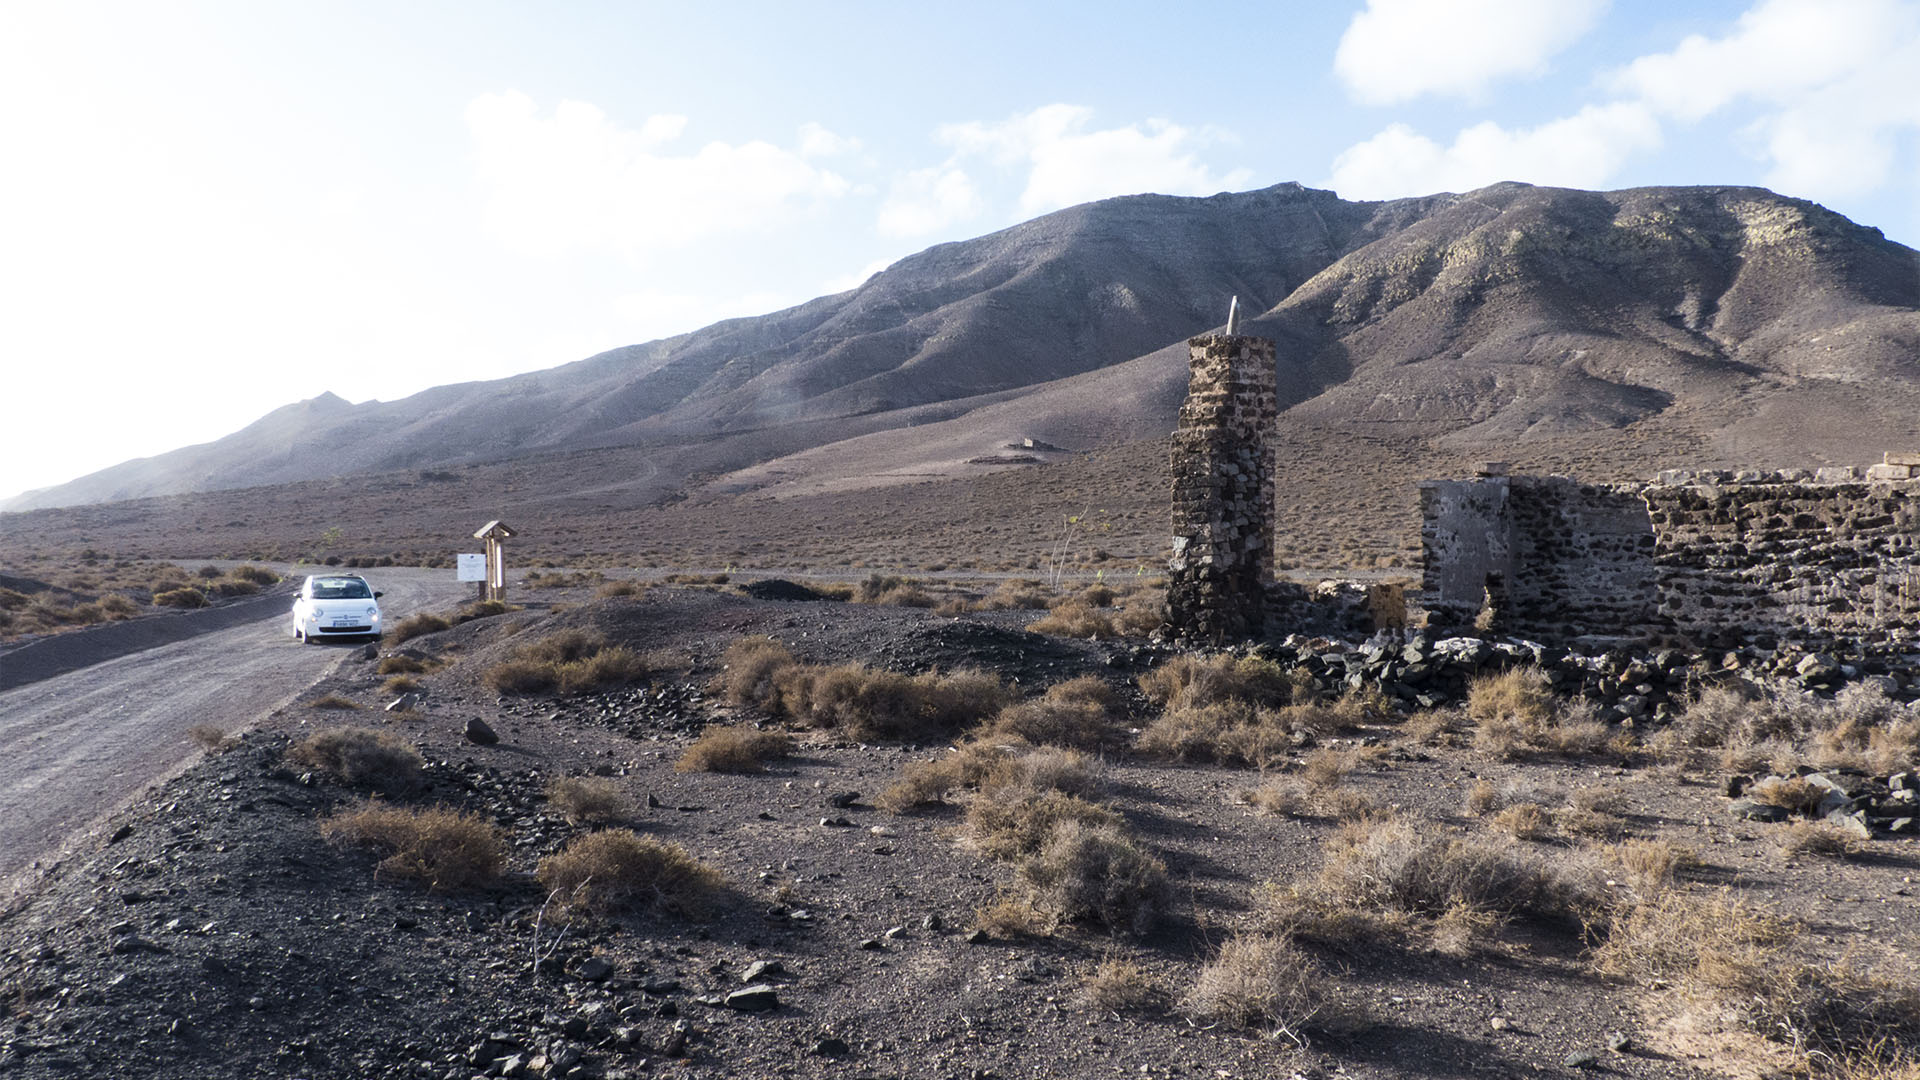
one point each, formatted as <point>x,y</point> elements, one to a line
<point>1659,323</point>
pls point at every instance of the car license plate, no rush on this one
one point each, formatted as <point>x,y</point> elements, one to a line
<point>346,622</point>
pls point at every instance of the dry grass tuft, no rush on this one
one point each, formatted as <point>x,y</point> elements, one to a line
<point>1258,982</point>
<point>1516,712</point>
<point>1524,821</point>
<point>1120,986</point>
<point>1089,872</point>
<point>1076,619</point>
<point>1011,823</point>
<point>187,597</point>
<point>588,800</point>
<point>1820,839</point>
<point>415,626</point>
<point>1650,865</point>
<point>1190,681</point>
<point>618,870</point>
<point>437,847</point>
<point>1394,864</point>
<point>399,664</point>
<point>363,757</point>
<point>1082,713</point>
<point>334,701</point>
<point>739,749</point>
<point>569,662</point>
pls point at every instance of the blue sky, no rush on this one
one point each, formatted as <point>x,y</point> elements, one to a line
<point>213,209</point>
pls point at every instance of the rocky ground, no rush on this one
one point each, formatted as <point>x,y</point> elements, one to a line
<point>217,934</point>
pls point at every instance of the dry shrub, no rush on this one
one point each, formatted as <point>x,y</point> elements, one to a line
<point>1483,799</point>
<point>399,664</point>
<point>1782,723</point>
<point>738,749</point>
<point>211,738</point>
<point>923,783</point>
<point>871,705</point>
<point>1462,930</point>
<point>1394,864</point>
<point>1011,823</point>
<point>1119,985</point>
<point>1524,821</point>
<point>891,590</point>
<point>415,626</point>
<point>1260,982</point>
<point>1306,914</point>
<point>1818,838</point>
<point>1229,732</point>
<point>614,589</point>
<point>187,597</point>
<point>1141,615</point>
<point>1740,957</point>
<point>604,670</point>
<point>1075,619</point>
<point>1650,865</point>
<point>748,669</point>
<point>1093,872</point>
<point>1788,793</point>
<point>1325,768</point>
<point>1018,593</point>
<point>1097,596</point>
<point>618,870</point>
<point>258,575</point>
<point>1010,916</point>
<point>362,757</point>
<point>1429,727</point>
<point>334,701</point>
<point>1280,798</point>
<point>587,800</point>
<point>570,662</point>
<point>1189,681</point>
<point>400,684</point>
<point>1516,712</point>
<point>437,847</point>
<point>1082,713</point>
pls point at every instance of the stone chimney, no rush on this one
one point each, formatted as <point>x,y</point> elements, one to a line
<point>1223,490</point>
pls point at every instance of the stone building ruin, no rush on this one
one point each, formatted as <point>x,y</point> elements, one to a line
<point>1807,559</point>
<point>1223,490</point>
<point>1810,559</point>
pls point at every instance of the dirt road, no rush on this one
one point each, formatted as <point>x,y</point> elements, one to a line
<point>75,747</point>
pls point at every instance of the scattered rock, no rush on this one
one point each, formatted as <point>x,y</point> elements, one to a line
<point>759,997</point>
<point>762,970</point>
<point>1582,1059</point>
<point>1619,1042</point>
<point>594,969</point>
<point>480,733</point>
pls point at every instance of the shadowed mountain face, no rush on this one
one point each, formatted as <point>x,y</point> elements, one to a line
<point>1708,323</point>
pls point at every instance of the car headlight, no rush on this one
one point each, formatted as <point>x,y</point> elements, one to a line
<point>373,613</point>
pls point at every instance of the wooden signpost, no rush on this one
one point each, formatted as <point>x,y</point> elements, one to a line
<point>494,532</point>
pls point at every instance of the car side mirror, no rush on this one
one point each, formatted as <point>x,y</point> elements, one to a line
<point>377,594</point>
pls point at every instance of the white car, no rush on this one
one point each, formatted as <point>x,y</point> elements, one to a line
<point>335,605</point>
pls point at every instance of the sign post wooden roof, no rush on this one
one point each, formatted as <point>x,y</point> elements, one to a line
<point>493,530</point>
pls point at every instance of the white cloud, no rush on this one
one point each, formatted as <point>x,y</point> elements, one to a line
<point>927,200</point>
<point>1398,50</point>
<point>817,141</point>
<point>576,181</point>
<point>1834,78</point>
<point>1583,150</point>
<point>1069,164</point>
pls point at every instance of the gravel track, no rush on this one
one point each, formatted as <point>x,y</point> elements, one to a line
<point>76,747</point>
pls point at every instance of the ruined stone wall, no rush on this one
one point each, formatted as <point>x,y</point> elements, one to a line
<point>1545,558</point>
<point>1714,560</point>
<point>1797,558</point>
<point>1223,491</point>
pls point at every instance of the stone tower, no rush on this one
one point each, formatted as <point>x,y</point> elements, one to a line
<point>1223,490</point>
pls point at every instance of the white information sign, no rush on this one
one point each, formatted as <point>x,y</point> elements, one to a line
<point>470,567</point>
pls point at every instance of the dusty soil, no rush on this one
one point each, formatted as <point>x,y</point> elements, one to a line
<point>214,933</point>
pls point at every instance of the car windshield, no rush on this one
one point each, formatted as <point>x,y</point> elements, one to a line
<point>341,588</point>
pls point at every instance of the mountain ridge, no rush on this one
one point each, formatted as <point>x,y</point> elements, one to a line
<point>1508,313</point>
